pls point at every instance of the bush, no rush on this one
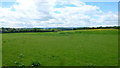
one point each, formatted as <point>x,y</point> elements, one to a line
<point>36,64</point>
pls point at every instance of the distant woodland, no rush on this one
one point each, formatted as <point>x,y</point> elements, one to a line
<point>18,30</point>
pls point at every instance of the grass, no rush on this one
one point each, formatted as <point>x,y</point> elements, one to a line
<point>0,50</point>
<point>66,48</point>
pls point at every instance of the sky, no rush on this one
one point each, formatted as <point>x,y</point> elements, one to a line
<point>58,13</point>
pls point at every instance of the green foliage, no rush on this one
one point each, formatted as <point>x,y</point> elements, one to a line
<point>36,64</point>
<point>107,27</point>
<point>16,30</point>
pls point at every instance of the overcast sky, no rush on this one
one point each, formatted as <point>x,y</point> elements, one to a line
<point>58,13</point>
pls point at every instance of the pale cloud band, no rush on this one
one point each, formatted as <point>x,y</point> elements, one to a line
<point>80,0</point>
<point>55,13</point>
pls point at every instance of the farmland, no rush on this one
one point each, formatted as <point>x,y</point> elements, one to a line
<point>0,50</point>
<point>64,48</point>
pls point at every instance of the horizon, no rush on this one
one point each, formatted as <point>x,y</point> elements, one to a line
<point>62,27</point>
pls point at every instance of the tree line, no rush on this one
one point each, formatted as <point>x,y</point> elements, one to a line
<point>18,30</point>
<point>108,27</point>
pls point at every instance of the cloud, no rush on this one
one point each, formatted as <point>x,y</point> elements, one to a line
<point>55,13</point>
<point>106,19</point>
<point>80,0</point>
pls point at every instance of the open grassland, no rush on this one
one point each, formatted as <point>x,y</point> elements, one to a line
<point>66,48</point>
<point>0,50</point>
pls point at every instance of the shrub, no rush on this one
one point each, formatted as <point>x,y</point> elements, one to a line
<point>36,64</point>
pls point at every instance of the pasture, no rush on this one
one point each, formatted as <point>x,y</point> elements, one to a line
<point>0,50</point>
<point>65,48</point>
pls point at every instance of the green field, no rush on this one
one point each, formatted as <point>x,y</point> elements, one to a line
<point>0,50</point>
<point>67,48</point>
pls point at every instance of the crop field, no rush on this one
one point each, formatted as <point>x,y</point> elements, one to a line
<point>65,48</point>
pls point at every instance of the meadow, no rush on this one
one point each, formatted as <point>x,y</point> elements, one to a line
<point>0,50</point>
<point>64,48</point>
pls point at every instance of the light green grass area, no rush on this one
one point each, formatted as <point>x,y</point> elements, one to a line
<point>67,48</point>
<point>0,50</point>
